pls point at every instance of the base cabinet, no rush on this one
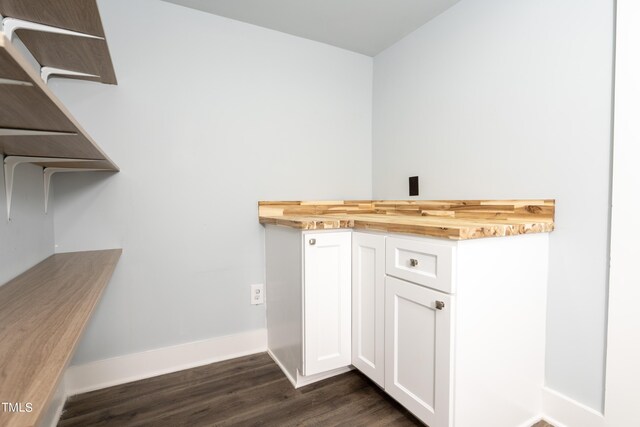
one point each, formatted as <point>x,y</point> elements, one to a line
<point>453,330</point>
<point>308,297</point>
<point>464,325</point>
<point>418,349</point>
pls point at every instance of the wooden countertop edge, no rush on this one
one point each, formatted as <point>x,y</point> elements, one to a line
<point>451,219</point>
<point>40,405</point>
<point>450,231</point>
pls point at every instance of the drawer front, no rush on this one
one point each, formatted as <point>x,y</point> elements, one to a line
<point>421,262</point>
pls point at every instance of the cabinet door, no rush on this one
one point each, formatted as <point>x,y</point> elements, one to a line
<point>327,301</point>
<point>367,293</point>
<point>418,349</point>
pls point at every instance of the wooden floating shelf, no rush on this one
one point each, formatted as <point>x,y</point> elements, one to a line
<point>29,108</point>
<point>87,55</point>
<point>43,313</point>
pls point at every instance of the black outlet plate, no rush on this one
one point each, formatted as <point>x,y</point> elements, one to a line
<point>413,186</point>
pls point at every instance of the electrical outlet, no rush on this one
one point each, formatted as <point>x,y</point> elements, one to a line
<point>413,186</point>
<point>257,294</point>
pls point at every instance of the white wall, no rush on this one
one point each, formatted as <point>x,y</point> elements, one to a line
<point>28,238</point>
<point>512,99</point>
<point>209,117</point>
<point>623,346</point>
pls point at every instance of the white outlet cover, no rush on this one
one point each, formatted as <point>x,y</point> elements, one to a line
<point>257,294</point>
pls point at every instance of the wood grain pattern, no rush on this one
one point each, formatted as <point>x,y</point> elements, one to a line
<point>451,219</point>
<point>10,70</point>
<point>67,146</point>
<point>73,53</point>
<point>248,391</point>
<point>75,15</point>
<point>43,313</point>
<point>26,107</point>
<point>84,55</point>
<point>36,107</point>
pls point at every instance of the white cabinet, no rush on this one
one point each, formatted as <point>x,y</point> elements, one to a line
<point>367,287</point>
<point>422,261</point>
<point>308,298</point>
<point>327,301</point>
<point>464,325</point>
<point>453,330</point>
<point>418,349</point>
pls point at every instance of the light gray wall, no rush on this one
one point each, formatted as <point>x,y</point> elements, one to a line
<point>210,116</point>
<point>28,238</point>
<point>512,99</point>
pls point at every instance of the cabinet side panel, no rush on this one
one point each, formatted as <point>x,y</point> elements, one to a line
<point>500,330</point>
<point>284,296</point>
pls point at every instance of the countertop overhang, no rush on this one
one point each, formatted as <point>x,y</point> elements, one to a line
<point>450,219</point>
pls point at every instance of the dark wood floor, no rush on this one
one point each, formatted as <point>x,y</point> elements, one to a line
<point>248,391</point>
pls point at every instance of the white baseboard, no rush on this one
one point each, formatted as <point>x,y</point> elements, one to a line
<point>286,373</point>
<point>147,364</point>
<point>562,411</point>
<point>300,380</point>
<point>310,379</point>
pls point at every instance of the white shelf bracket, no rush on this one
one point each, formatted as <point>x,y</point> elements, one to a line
<point>46,72</point>
<point>48,173</point>
<point>11,25</point>
<point>11,162</point>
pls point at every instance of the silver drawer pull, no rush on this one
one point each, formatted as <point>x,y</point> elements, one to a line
<point>312,242</point>
<point>439,305</point>
<point>413,262</point>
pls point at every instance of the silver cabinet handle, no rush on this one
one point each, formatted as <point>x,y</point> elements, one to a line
<point>413,262</point>
<point>439,305</point>
<point>312,242</point>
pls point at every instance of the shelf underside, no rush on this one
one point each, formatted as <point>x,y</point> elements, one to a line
<point>73,53</point>
<point>27,105</point>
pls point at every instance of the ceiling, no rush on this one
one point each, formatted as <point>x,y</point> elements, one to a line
<point>364,26</point>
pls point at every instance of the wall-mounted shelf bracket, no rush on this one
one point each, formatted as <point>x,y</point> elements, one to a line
<point>48,173</point>
<point>11,162</point>
<point>11,25</point>
<point>46,72</point>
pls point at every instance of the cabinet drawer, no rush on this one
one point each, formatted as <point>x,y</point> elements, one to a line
<point>421,262</point>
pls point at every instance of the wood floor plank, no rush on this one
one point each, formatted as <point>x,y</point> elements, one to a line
<point>150,387</point>
<point>248,391</point>
<point>145,407</point>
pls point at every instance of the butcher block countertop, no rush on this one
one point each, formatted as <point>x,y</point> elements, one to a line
<point>450,219</point>
<point>43,313</point>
